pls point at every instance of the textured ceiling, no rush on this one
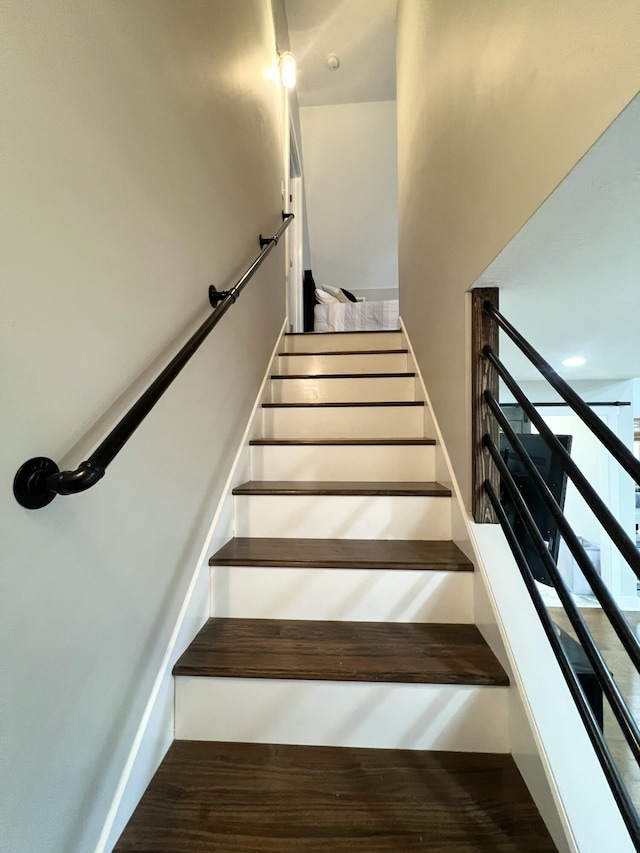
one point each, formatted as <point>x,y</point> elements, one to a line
<point>362,33</point>
<point>570,279</point>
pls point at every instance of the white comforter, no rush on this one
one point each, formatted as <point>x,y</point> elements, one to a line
<point>356,316</point>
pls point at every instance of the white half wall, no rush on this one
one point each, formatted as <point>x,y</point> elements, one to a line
<point>142,157</point>
<point>497,101</point>
<point>350,163</point>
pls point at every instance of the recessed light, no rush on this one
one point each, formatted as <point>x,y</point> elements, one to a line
<point>574,361</point>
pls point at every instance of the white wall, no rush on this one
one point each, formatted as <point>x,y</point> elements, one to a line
<point>496,102</point>
<point>377,294</point>
<point>350,163</point>
<point>578,257</point>
<point>142,157</point>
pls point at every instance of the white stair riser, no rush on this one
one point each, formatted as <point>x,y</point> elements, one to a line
<point>361,595</point>
<point>386,716</point>
<point>365,390</point>
<point>400,462</point>
<point>303,365</point>
<point>344,422</point>
<point>342,517</point>
<point>328,342</point>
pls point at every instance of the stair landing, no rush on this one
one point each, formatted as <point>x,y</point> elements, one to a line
<point>265,798</point>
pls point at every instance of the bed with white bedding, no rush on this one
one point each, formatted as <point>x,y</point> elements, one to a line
<point>356,316</point>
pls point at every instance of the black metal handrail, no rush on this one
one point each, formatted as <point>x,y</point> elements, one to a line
<point>613,528</point>
<point>617,404</point>
<point>599,588</point>
<point>618,705</point>
<point>39,480</point>
<point>612,443</point>
<point>607,762</point>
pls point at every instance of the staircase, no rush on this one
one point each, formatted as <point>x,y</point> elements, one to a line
<point>340,697</point>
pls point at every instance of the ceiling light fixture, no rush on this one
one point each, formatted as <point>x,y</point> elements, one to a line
<point>574,361</point>
<point>288,70</point>
<point>333,62</point>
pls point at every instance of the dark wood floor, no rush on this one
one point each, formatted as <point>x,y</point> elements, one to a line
<point>418,555</point>
<point>342,651</point>
<point>627,680</point>
<point>366,332</point>
<point>348,352</point>
<point>338,487</point>
<point>351,405</point>
<point>316,376</point>
<point>261,798</point>
<point>349,442</point>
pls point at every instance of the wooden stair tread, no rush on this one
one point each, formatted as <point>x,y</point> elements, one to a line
<point>355,405</point>
<point>262,442</point>
<point>343,554</point>
<point>338,487</point>
<point>349,352</point>
<point>355,332</point>
<point>342,375</point>
<point>408,653</point>
<point>270,798</point>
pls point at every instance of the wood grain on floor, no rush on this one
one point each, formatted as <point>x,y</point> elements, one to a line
<point>340,487</point>
<point>316,376</point>
<point>261,798</point>
<point>417,555</point>
<point>627,678</point>
<point>352,442</point>
<point>413,653</point>
<point>348,352</point>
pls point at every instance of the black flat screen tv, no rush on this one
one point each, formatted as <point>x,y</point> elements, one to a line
<point>550,467</point>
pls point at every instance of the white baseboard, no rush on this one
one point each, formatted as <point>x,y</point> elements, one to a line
<point>156,728</point>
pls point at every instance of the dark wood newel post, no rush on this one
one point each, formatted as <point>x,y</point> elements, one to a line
<point>484,331</point>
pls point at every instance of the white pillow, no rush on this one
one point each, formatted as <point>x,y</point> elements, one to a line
<point>326,298</point>
<point>335,291</point>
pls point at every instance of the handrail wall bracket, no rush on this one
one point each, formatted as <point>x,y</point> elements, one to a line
<point>216,296</point>
<point>39,480</point>
<point>29,484</point>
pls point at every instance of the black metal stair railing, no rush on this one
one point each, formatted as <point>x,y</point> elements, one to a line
<point>496,470</point>
<point>618,787</point>
<point>608,439</point>
<point>39,480</point>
